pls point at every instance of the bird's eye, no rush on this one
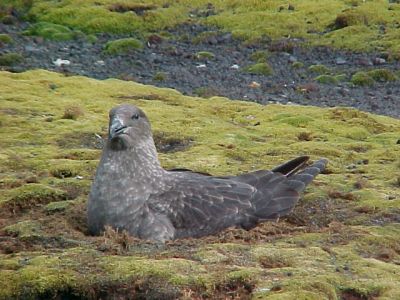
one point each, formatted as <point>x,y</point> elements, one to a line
<point>135,117</point>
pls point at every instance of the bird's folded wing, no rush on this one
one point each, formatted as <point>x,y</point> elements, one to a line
<point>200,206</point>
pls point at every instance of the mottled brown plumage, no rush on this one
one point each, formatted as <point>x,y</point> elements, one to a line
<point>131,191</point>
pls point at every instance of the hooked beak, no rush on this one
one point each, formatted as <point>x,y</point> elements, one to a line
<point>116,128</point>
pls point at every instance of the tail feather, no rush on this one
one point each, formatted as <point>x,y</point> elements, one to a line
<point>292,166</point>
<point>284,196</point>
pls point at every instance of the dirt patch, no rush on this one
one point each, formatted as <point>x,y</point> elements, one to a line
<point>88,140</point>
<point>170,142</point>
<point>137,8</point>
<point>141,97</point>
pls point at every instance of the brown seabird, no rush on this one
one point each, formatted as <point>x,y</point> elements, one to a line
<point>132,192</point>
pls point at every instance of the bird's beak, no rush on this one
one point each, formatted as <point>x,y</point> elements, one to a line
<point>116,128</point>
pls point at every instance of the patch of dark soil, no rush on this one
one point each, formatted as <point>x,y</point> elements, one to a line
<point>170,142</point>
<point>224,75</point>
<point>88,140</point>
<point>386,254</point>
<point>150,288</point>
<point>320,213</point>
<point>73,191</point>
<point>340,234</point>
<point>9,244</point>
<point>234,289</point>
<point>352,294</point>
<point>141,97</point>
<point>342,195</point>
<point>77,217</point>
<point>382,218</point>
<point>25,201</point>
<point>137,8</point>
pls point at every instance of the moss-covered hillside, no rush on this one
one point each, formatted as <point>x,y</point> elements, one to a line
<point>352,24</point>
<point>341,242</point>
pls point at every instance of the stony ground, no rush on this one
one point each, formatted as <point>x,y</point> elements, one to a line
<point>174,63</point>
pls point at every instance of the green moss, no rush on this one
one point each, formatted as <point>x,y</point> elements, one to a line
<point>122,46</point>
<point>206,92</point>
<point>349,18</point>
<point>9,59</point>
<point>318,69</point>
<point>382,75</point>
<point>326,79</point>
<point>51,31</point>
<point>32,194</point>
<point>57,206</point>
<point>362,78</point>
<point>24,229</point>
<point>20,8</point>
<point>341,77</point>
<point>259,56</point>
<point>5,39</point>
<point>339,24</point>
<point>309,256</point>
<point>259,69</point>
<point>160,76</point>
<point>91,38</point>
<point>205,55</point>
<point>297,65</point>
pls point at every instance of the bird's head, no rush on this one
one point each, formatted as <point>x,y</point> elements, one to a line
<point>128,127</point>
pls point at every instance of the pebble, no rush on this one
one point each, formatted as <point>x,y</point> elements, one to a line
<point>100,63</point>
<point>254,84</point>
<point>340,61</point>
<point>61,62</point>
<point>379,61</point>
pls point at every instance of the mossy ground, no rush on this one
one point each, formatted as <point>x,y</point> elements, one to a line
<point>122,46</point>
<point>342,240</point>
<point>356,25</point>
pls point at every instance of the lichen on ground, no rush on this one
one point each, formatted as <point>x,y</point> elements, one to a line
<point>355,25</point>
<point>341,241</point>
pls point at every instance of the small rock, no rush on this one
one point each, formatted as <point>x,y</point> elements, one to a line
<point>340,61</point>
<point>379,61</point>
<point>391,197</point>
<point>226,38</point>
<point>30,48</point>
<point>343,91</point>
<point>100,63</point>
<point>262,290</point>
<point>254,85</point>
<point>61,62</point>
<point>292,59</point>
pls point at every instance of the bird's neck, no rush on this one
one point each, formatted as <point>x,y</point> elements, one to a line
<point>140,163</point>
